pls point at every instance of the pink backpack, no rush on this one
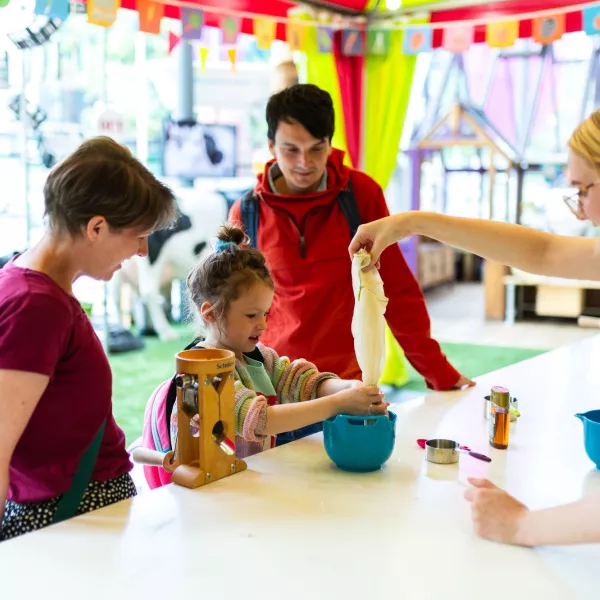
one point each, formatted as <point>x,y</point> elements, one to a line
<point>155,435</point>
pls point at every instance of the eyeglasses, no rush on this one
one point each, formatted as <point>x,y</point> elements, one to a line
<point>573,201</point>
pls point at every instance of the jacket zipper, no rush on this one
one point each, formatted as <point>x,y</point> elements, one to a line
<point>299,229</point>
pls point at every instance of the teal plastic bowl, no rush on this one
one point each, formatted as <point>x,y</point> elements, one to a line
<point>360,445</point>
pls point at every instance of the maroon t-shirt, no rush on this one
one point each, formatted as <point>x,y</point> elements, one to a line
<point>44,330</point>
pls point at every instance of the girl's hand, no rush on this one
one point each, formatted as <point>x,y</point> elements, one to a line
<point>496,515</point>
<point>361,400</point>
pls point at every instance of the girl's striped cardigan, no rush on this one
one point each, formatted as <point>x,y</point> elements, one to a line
<point>293,381</point>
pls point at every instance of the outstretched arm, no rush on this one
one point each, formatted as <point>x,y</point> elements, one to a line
<point>514,245</point>
<point>499,517</point>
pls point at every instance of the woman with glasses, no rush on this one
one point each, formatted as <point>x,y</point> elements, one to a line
<point>496,514</point>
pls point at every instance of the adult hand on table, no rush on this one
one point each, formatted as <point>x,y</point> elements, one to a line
<point>496,515</point>
<point>463,382</point>
<point>376,236</point>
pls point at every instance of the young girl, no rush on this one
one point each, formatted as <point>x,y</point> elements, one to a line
<point>233,292</point>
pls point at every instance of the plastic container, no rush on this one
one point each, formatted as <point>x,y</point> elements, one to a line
<point>360,445</point>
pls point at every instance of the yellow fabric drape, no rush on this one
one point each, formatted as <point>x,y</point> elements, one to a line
<point>388,87</point>
<point>388,82</point>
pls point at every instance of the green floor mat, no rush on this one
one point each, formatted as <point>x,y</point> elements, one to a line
<point>473,360</point>
<point>136,374</point>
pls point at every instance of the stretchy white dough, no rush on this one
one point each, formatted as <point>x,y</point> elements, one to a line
<point>368,321</point>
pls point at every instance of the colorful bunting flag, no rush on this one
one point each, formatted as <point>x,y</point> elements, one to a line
<point>378,42</point>
<point>54,9</point>
<point>230,29</point>
<point>416,40</point>
<point>296,36</point>
<point>591,20</point>
<point>548,29</point>
<point>264,30</point>
<point>353,42</point>
<point>203,57</point>
<point>102,12</point>
<point>458,39</point>
<point>192,21</point>
<point>232,53</point>
<point>502,34</point>
<point>151,14</point>
<point>324,39</point>
<point>173,41</point>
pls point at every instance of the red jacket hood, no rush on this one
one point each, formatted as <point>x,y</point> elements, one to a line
<point>337,179</point>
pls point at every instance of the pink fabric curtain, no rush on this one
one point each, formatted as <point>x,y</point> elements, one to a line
<point>350,71</point>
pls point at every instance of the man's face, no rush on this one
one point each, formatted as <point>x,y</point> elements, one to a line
<point>301,157</point>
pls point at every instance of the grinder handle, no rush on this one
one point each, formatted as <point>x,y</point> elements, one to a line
<point>145,456</point>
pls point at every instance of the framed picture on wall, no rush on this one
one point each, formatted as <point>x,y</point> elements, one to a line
<point>192,150</point>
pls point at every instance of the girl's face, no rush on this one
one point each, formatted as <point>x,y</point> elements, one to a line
<point>245,321</point>
<point>585,199</point>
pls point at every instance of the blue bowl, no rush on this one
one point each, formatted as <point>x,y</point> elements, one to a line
<point>360,445</point>
<point>591,434</point>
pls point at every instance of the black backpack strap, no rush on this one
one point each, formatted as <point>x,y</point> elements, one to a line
<point>172,393</point>
<point>347,203</point>
<point>249,212</point>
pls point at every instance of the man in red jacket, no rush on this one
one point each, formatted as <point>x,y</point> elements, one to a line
<point>304,234</point>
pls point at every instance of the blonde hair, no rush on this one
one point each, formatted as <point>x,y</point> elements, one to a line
<point>585,140</point>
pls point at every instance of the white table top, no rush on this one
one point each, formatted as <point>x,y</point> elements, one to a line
<point>293,526</point>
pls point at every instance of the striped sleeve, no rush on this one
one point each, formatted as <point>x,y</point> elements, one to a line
<point>294,381</point>
<point>250,413</point>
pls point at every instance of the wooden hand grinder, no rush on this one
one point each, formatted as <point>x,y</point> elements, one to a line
<point>204,388</point>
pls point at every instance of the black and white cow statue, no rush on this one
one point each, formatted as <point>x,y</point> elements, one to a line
<point>172,254</point>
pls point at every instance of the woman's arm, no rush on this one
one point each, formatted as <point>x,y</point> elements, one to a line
<point>499,517</point>
<point>19,394</point>
<point>514,245</point>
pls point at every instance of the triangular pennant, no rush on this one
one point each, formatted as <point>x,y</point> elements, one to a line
<point>151,14</point>
<point>416,40</point>
<point>192,21</point>
<point>203,56</point>
<point>548,29</point>
<point>502,34</point>
<point>173,41</point>
<point>102,12</point>
<point>54,9</point>
<point>353,42</point>
<point>232,53</point>
<point>230,29</point>
<point>296,36</point>
<point>458,39</point>
<point>325,39</point>
<point>591,20</point>
<point>264,30</point>
<point>378,42</point>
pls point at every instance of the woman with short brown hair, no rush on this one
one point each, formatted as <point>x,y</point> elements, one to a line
<point>61,452</point>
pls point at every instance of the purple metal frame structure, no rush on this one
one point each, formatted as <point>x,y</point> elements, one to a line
<point>524,111</point>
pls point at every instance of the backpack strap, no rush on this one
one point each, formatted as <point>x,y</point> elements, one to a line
<point>347,202</point>
<point>69,502</point>
<point>249,212</point>
<point>172,392</point>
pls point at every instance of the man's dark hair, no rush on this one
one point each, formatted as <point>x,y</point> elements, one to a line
<point>303,103</point>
